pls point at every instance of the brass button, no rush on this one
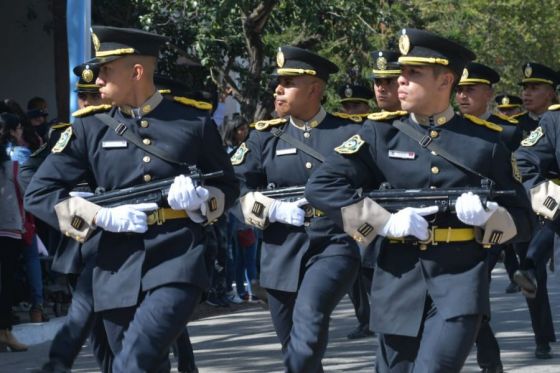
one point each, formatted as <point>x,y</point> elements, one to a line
<point>308,165</point>
<point>144,124</point>
<point>435,170</point>
<point>147,177</point>
<point>306,135</point>
<point>434,134</point>
<point>146,159</point>
<point>433,153</point>
<point>147,141</point>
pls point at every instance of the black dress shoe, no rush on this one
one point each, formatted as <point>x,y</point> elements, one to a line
<point>527,281</point>
<point>362,331</point>
<point>543,351</point>
<point>512,288</point>
<point>497,369</point>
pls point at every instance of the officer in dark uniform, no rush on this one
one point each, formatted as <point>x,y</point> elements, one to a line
<point>150,267</point>
<point>509,105</point>
<point>538,158</point>
<point>304,280</point>
<point>474,95</point>
<point>430,286</point>
<point>385,73</point>
<point>539,83</point>
<point>355,99</point>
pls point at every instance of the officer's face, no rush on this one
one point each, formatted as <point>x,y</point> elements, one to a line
<point>537,97</point>
<point>355,107</point>
<point>473,99</point>
<point>510,111</point>
<point>386,94</point>
<point>115,79</point>
<point>293,94</point>
<point>89,99</point>
<point>423,92</point>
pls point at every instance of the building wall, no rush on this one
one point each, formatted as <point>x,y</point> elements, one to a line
<point>27,52</point>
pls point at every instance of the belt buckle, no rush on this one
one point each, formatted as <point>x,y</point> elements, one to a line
<point>423,244</point>
<point>156,217</point>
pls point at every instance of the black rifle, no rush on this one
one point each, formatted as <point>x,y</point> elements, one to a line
<point>394,200</point>
<point>156,191</point>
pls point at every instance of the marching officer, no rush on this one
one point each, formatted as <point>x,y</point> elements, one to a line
<point>150,267</point>
<point>385,73</point>
<point>430,286</point>
<point>304,280</point>
<point>509,105</point>
<point>355,99</point>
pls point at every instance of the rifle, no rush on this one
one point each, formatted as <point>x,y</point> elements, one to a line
<point>394,200</point>
<point>156,191</point>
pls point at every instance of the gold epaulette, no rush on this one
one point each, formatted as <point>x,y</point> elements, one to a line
<point>554,107</point>
<point>60,125</point>
<point>164,91</point>
<point>90,110</point>
<point>482,122</point>
<point>518,115</point>
<point>261,125</point>
<point>190,102</point>
<point>353,117</point>
<point>506,118</point>
<point>385,115</point>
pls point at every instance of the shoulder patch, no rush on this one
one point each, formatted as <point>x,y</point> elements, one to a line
<point>60,125</point>
<point>533,137</point>
<point>190,102</point>
<point>261,125</point>
<point>482,122</point>
<point>386,115</point>
<point>554,107</point>
<point>506,118</point>
<point>239,156</point>
<point>353,117</point>
<point>350,146</point>
<point>90,110</point>
<point>62,141</point>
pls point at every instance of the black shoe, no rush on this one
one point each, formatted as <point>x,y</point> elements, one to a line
<point>543,351</point>
<point>497,369</point>
<point>512,288</point>
<point>52,366</point>
<point>527,281</point>
<point>362,331</point>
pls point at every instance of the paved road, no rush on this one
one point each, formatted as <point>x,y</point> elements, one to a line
<point>245,342</point>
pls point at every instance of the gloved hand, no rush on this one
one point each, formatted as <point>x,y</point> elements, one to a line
<point>408,222</point>
<point>287,212</point>
<point>80,194</point>
<point>125,218</point>
<point>183,195</point>
<point>470,211</point>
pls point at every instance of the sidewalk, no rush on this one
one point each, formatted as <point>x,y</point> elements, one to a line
<point>244,341</point>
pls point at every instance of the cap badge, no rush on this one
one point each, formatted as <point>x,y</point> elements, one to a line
<point>280,58</point>
<point>382,63</point>
<point>505,100</point>
<point>87,74</point>
<point>465,74</point>
<point>95,40</point>
<point>528,71</point>
<point>404,44</point>
<point>348,92</point>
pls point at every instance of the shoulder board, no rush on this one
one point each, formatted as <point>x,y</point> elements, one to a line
<point>190,102</point>
<point>554,107</point>
<point>90,110</point>
<point>514,116</point>
<point>60,125</point>
<point>261,125</point>
<point>482,122</point>
<point>506,118</point>
<point>385,115</point>
<point>353,117</point>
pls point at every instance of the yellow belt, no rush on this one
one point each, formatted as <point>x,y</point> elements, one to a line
<point>443,235</point>
<point>160,216</point>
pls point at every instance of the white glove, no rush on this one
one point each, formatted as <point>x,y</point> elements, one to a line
<point>81,194</point>
<point>470,211</point>
<point>287,212</point>
<point>183,195</point>
<point>409,222</point>
<point>125,218</point>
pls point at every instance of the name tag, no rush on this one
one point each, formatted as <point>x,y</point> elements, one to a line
<point>286,151</point>
<point>401,155</point>
<point>114,144</point>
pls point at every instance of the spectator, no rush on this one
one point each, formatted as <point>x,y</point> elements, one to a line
<point>37,113</point>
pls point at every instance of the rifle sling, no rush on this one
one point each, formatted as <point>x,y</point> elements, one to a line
<point>122,130</point>
<point>298,144</point>
<point>425,141</point>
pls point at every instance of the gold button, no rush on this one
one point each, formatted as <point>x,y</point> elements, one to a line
<point>146,159</point>
<point>433,153</point>
<point>306,135</point>
<point>435,170</point>
<point>441,120</point>
<point>308,165</point>
<point>147,141</point>
<point>147,177</point>
<point>144,124</point>
<point>434,134</point>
